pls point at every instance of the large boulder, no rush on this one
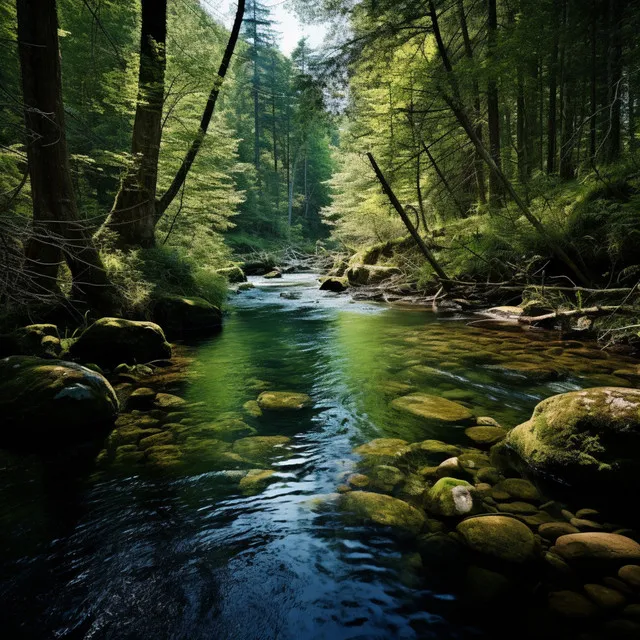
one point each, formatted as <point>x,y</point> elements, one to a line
<point>500,537</point>
<point>233,274</point>
<point>382,510</point>
<point>584,438</point>
<point>111,341</point>
<point>180,315</point>
<point>364,274</point>
<point>334,283</point>
<point>52,399</point>
<point>40,340</point>
<point>597,550</point>
<point>433,409</point>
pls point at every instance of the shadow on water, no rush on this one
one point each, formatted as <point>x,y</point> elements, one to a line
<point>186,551</point>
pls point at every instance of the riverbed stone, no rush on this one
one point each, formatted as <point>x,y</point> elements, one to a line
<point>169,401</point>
<point>283,401</point>
<point>431,451</point>
<point>553,530</point>
<point>260,448</point>
<point>605,597</point>
<point>53,399</point>
<point>141,398</point>
<point>385,477</point>
<point>40,340</point>
<point>256,480</point>
<point>570,604</point>
<point>498,536</point>
<point>485,437</point>
<point>630,574</point>
<point>586,438</point>
<point>111,341</point>
<point>607,551</point>
<point>383,450</point>
<point>433,409</point>
<point>359,480</point>
<point>490,475</point>
<point>382,510</point>
<point>517,508</point>
<point>519,489</point>
<point>451,497</point>
<point>334,283</point>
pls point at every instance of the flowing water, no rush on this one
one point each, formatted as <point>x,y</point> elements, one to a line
<point>122,548</point>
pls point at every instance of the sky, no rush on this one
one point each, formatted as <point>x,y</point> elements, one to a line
<point>286,22</point>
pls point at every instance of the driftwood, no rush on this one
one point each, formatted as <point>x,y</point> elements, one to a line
<point>589,312</point>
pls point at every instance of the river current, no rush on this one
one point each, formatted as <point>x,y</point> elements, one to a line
<point>126,551</point>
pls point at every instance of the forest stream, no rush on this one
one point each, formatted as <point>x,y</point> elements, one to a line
<point>202,549</point>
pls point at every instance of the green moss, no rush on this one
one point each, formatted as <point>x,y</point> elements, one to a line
<point>283,401</point>
<point>261,448</point>
<point>451,497</point>
<point>433,409</point>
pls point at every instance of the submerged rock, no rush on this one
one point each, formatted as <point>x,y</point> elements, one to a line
<point>586,438</point>
<point>272,274</point>
<point>53,399</point>
<point>260,448</point>
<point>431,451</point>
<point>180,315</point>
<point>433,409</point>
<point>256,480</point>
<point>501,537</point>
<point>485,436</point>
<point>110,341</point>
<point>383,450</point>
<point>451,497</point>
<point>382,510</point>
<point>283,401</point>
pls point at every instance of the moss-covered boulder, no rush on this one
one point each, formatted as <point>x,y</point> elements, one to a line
<point>52,399</point>
<point>500,537</point>
<point>363,274</point>
<point>584,438</point>
<point>283,401</point>
<point>233,274</point>
<point>272,275</point>
<point>335,284</point>
<point>451,497</point>
<point>386,478</point>
<point>383,510</point>
<point>383,450</point>
<point>256,480</point>
<point>180,315</point>
<point>433,409</point>
<point>428,452</point>
<point>110,341</point>
<point>485,437</point>
<point>41,340</point>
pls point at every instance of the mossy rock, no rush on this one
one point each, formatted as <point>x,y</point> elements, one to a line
<point>584,438</point>
<point>233,274</point>
<point>361,274</point>
<point>164,456</point>
<point>519,489</point>
<point>383,450</point>
<point>485,437</point>
<point>433,409</point>
<point>382,510</point>
<point>180,315</point>
<point>111,341</point>
<point>53,399</point>
<point>261,448</point>
<point>335,284</point>
<point>283,401</point>
<point>169,401</point>
<point>428,452</point>
<point>500,537</point>
<point>386,478</point>
<point>141,398</point>
<point>245,286</point>
<point>256,480</point>
<point>272,275</point>
<point>252,408</point>
<point>40,340</point>
<point>230,429</point>
<point>452,498</point>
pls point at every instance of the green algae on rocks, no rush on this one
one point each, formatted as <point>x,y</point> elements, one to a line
<point>283,401</point>
<point>433,409</point>
<point>450,497</point>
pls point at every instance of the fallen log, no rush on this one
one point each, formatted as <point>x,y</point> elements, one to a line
<point>589,312</point>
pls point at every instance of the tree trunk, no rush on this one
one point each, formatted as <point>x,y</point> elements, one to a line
<point>405,218</point>
<point>552,126</point>
<point>614,96</point>
<point>478,164</point>
<point>256,97</point>
<point>593,121</point>
<point>458,109</point>
<point>190,156</point>
<point>493,105</point>
<point>57,228</point>
<point>133,217</point>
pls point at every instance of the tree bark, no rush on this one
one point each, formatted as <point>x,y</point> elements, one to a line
<point>552,122</point>
<point>405,218</point>
<point>57,229</point>
<point>493,105</point>
<point>190,156</point>
<point>614,96</point>
<point>133,217</point>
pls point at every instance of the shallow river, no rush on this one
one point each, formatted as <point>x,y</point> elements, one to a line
<point>128,550</point>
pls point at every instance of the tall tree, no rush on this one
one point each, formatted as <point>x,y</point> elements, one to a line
<point>133,213</point>
<point>57,230</point>
<point>493,105</point>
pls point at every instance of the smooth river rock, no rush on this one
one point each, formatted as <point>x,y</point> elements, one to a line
<point>607,551</point>
<point>283,401</point>
<point>382,510</point>
<point>433,409</point>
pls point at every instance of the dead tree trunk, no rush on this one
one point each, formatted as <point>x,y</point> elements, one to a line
<point>405,218</point>
<point>133,215</point>
<point>57,229</point>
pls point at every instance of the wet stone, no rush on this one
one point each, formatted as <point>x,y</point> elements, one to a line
<point>605,597</point>
<point>553,530</point>
<point>631,575</point>
<point>569,604</point>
